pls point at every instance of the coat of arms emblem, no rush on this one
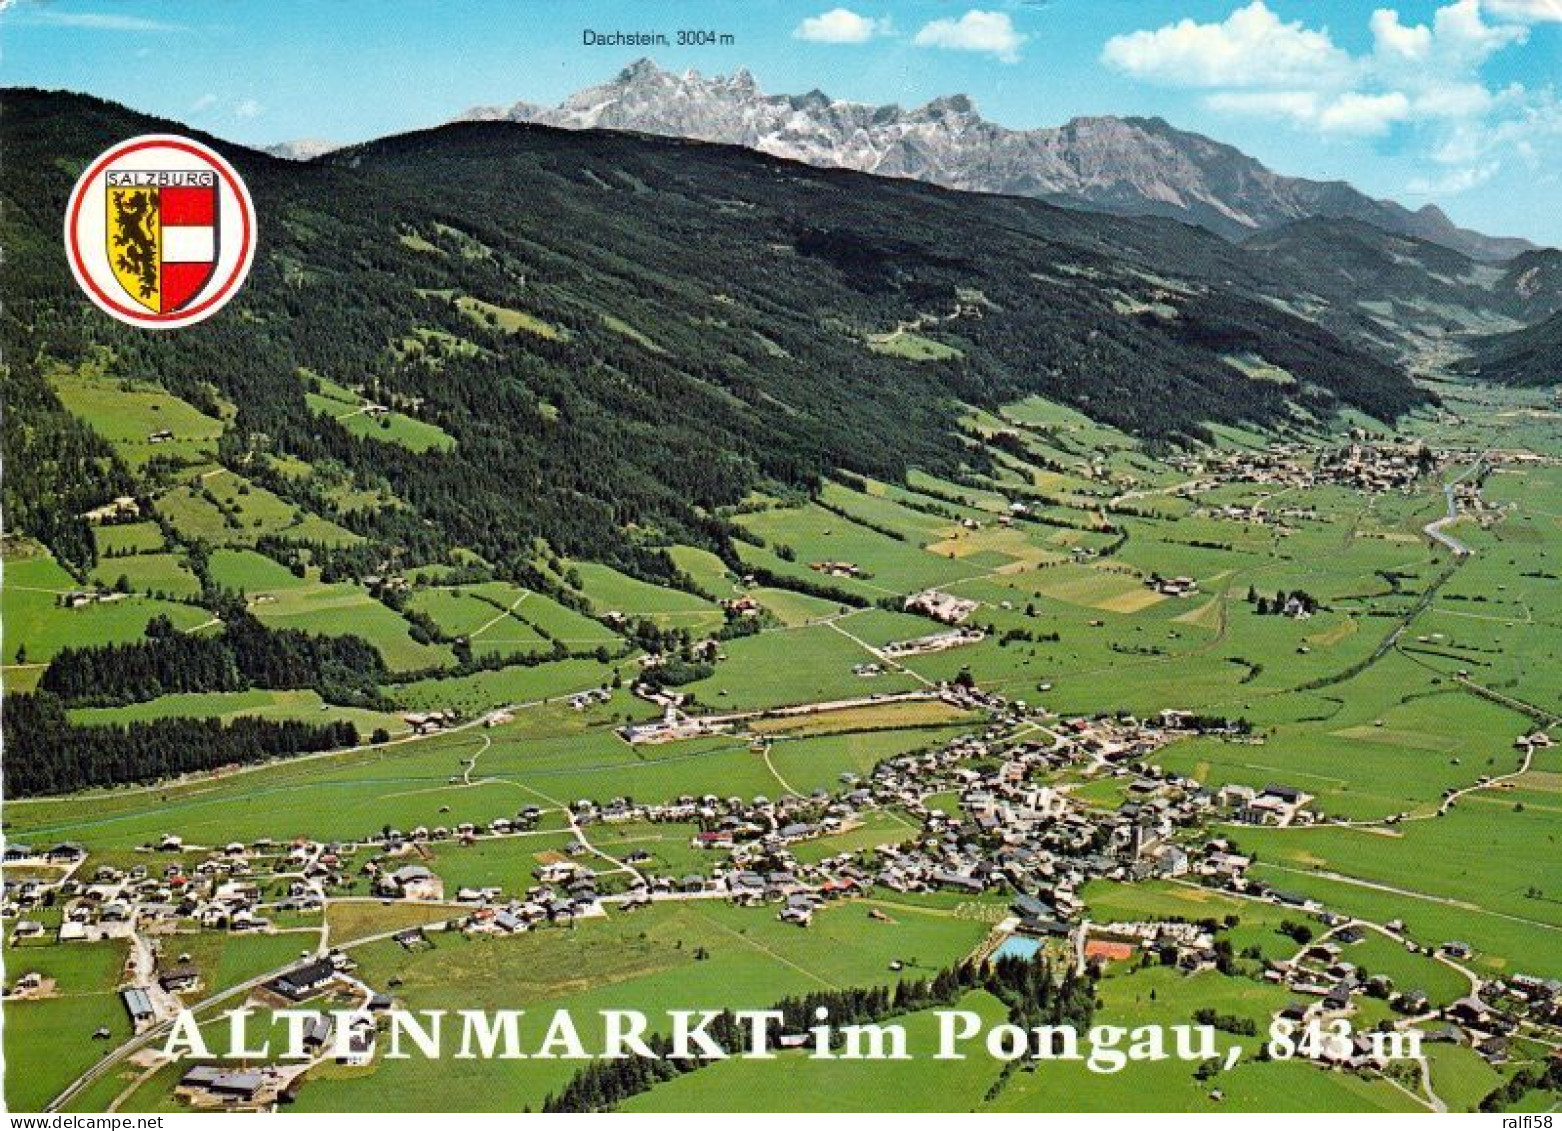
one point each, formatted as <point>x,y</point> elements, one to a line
<point>162,234</point>
<point>161,231</point>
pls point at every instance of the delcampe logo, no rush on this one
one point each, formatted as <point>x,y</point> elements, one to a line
<point>160,231</point>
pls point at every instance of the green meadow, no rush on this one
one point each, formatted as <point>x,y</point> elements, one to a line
<point>53,1035</point>
<point>696,955</point>
<point>139,419</point>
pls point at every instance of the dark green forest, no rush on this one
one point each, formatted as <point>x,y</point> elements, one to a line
<point>46,753</point>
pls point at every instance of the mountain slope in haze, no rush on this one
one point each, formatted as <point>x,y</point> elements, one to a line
<point>1532,282</point>
<point>622,334</point>
<point>1399,293</point>
<point>1133,166</point>
<point>1528,357</point>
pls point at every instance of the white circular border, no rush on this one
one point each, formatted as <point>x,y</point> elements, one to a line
<point>89,191</point>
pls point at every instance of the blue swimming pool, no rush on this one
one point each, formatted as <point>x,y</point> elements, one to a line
<point>1016,947</point>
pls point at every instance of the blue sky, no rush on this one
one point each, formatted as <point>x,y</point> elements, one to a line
<point>1455,102</point>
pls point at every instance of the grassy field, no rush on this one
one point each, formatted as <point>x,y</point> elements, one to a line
<point>794,609</point>
<point>225,509</point>
<point>164,575</point>
<point>1377,954</point>
<point>705,569</point>
<point>1370,705</point>
<point>815,534</point>
<point>505,862</point>
<point>361,417</point>
<point>560,622</point>
<point>818,761</point>
<point>912,347</point>
<point>875,716</point>
<point>227,960</point>
<point>398,428</point>
<point>281,600</point>
<point>128,538</point>
<point>644,960</point>
<point>875,829</point>
<point>36,625</point>
<point>487,626</point>
<point>471,694</point>
<point>803,665</point>
<point>548,756</point>
<point>53,1035</point>
<point>1460,1077</point>
<point>509,320</point>
<point>141,420</point>
<point>262,703</point>
<point>1160,995</point>
<point>609,591</point>
<point>368,918</point>
<point>1472,875</point>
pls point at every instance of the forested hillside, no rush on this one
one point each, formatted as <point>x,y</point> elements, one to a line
<point>618,334</point>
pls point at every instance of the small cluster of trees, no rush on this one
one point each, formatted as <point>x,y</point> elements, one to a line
<point>1300,932</point>
<point>1025,634</point>
<point>1298,599</point>
<point>244,654</point>
<point>1226,1022</point>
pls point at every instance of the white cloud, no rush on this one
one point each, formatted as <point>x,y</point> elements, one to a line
<point>248,108</point>
<point>1300,106</point>
<point>89,21</point>
<point>1457,39</point>
<point>841,25</point>
<point>204,103</point>
<point>1453,100</point>
<point>1532,11</point>
<point>1454,180</point>
<point>1421,82</point>
<point>1366,115</point>
<point>1349,113</point>
<point>1394,39</point>
<point>991,33</point>
<point>1251,48</point>
<point>1524,122</point>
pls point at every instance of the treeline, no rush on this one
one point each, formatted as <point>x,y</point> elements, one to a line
<point>343,669</point>
<point>166,662</point>
<point>1522,1082</point>
<point>1031,990</point>
<point>768,579</point>
<point>1206,724</point>
<point>47,754</point>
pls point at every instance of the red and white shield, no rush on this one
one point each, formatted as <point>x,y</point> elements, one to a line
<point>190,236</point>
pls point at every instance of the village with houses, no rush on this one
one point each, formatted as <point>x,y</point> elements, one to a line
<point>1004,834</point>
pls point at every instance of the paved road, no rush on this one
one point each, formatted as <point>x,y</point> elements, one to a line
<point>1434,530</point>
